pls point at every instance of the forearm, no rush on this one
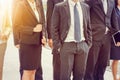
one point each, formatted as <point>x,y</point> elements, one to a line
<point>50,7</point>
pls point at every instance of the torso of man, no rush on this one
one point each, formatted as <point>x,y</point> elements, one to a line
<point>70,36</point>
<point>100,14</point>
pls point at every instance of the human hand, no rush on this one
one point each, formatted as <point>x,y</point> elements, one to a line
<point>118,44</point>
<point>44,41</point>
<point>38,28</point>
<point>50,43</point>
<point>17,46</point>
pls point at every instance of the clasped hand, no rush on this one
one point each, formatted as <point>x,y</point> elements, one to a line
<point>118,44</point>
<point>38,28</point>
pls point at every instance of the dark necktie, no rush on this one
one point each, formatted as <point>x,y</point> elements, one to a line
<point>76,24</point>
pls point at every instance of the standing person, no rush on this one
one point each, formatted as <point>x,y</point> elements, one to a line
<point>56,56</point>
<point>103,23</point>
<point>29,32</point>
<point>115,51</point>
<point>72,36</point>
<point>5,29</point>
<point>38,74</point>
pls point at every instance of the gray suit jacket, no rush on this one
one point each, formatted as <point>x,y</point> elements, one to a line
<point>61,23</point>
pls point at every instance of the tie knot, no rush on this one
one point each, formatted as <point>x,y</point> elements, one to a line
<point>75,4</point>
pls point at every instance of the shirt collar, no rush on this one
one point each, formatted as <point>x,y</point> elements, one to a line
<point>73,3</point>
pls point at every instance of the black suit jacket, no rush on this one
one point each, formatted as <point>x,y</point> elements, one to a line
<point>61,21</point>
<point>24,22</point>
<point>50,7</point>
<point>100,20</point>
<point>118,17</point>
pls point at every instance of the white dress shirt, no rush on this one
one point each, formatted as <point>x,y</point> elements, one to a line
<point>33,6</point>
<point>118,7</point>
<point>105,6</point>
<point>70,36</point>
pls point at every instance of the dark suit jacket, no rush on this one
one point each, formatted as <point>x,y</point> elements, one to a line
<point>24,22</point>
<point>99,20</point>
<point>50,7</point>
<point>118,17</point>
<point>61,23</point>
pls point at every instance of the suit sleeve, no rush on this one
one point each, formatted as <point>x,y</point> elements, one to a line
<point>89,30</point>
<point>114,21</point>
<point>50,7</point>
<point>42,19</point>
<point>18,24</point>
<point>55,28</point>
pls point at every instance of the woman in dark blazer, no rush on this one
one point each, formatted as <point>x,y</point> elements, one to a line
<point>115,51</point>
<point>28,30</point>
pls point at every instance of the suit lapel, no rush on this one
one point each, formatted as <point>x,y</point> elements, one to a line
<point>109,2</point>
<point>118,11</point>
<point>30,9</point>
<point>109,6</point>
<point>38,9</point>
<point>84,12</point>
<point>101,5</point>
<point>67,10</point>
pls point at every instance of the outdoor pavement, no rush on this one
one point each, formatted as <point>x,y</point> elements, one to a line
<point>11,64</point>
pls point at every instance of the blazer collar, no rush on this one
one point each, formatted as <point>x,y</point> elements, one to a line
<point>38,6</point>
<point>84,12</point>
<point>67,9</point>
<point>108,6</point>
<point>30,9</point>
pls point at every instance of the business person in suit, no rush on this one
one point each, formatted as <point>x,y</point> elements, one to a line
<point>103,23</point>
<point>5,30</point>
<point>115,50</point>
<point>29,32</point>
<point>38,74</point>
<point>72,37</point>
<point>56,56</point>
